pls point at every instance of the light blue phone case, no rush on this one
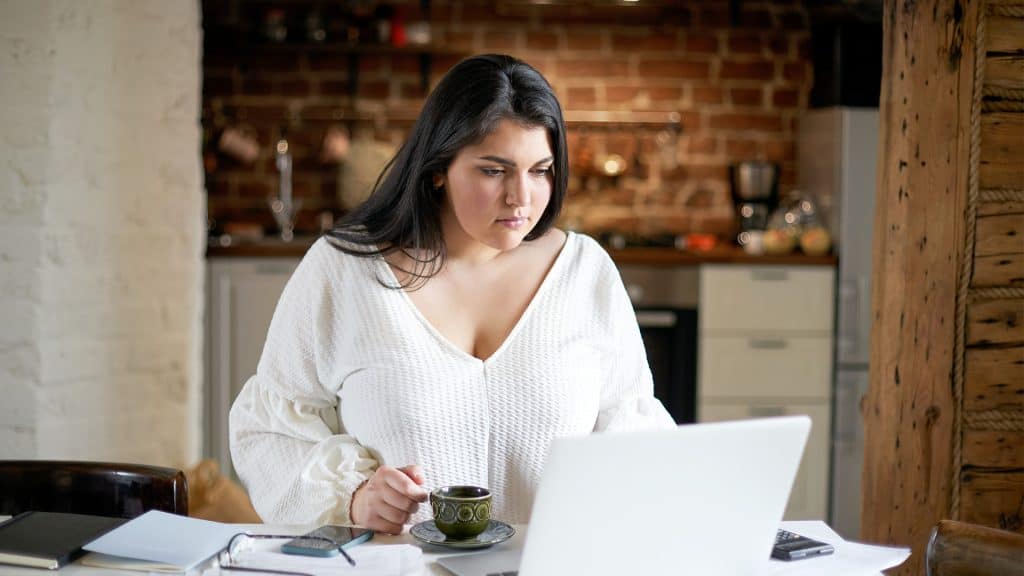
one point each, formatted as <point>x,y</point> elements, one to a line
<point>317,547</point>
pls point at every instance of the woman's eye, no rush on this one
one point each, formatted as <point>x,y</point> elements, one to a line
<point>541,171</point>
<point>492,171</point>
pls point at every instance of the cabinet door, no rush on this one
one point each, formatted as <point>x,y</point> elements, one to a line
<point>765,367</point>
<point>242,296</point>
<point>809,498</point>
<point>766,299</point>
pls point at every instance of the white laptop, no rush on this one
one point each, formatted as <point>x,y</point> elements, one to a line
<point>699,499</point>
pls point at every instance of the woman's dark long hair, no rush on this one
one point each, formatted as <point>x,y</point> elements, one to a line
<point>404,210</point>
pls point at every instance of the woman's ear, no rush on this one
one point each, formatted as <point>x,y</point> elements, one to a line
<point>438,180</point>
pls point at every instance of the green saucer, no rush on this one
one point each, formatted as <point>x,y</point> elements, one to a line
<point>497,531</point>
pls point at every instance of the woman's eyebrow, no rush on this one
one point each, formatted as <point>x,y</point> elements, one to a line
<point>510,163</point>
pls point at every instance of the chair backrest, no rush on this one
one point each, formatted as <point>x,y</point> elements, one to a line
<point>964,549</point>
<point>98,488</point>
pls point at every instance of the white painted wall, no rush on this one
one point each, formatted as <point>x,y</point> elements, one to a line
<point>102,217</point>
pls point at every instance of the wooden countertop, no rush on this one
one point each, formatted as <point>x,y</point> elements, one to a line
<point>638,256</point>
<point>718,255</point>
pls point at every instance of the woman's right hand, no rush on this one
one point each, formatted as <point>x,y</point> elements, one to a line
<point>385,502</point>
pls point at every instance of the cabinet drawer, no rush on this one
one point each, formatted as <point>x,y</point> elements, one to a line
<point>809,498</point>
<point>760,367</point>
<point>766,298</point>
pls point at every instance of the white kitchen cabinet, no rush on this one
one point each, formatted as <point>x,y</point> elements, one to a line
<point>759,366</point>
<point>242,294</point>
<point>809,497</point>
<point>766,349</point>
<point>745,299</point>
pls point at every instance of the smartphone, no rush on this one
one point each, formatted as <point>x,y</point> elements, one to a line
<point>344,536</point>
<point>790,546</point>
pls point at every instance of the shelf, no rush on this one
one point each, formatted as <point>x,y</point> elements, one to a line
<point>346,48</point>
<point>250,51</point>
<point>624,118</point>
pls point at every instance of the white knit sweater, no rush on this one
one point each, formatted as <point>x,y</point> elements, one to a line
<point>353,375</point>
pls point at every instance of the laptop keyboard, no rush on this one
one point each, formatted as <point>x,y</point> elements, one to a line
<point>781,537</point>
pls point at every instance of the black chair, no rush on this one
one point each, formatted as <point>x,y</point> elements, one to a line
<point>965,549</point>
<point>97,488</point>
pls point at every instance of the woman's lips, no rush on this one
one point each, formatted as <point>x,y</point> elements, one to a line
<point>512,223</point>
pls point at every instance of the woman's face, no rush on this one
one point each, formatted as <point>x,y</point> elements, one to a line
<point>497,190</point>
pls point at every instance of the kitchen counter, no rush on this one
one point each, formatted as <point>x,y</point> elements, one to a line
<point>717,255</point>
<point>272,248</point>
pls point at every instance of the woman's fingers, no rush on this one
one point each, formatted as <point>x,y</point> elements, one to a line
<point>414,472</point>
<point>392,514</point>
<point>387,500</point>
<point>385,527</point>
<point>400,502</point>
<point>400,482</point>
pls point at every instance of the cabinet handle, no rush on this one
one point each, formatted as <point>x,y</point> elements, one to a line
<point>766,411</point>
<point>767,343</point>
<point>656,319</point>
<point>275,268</point>
<point>769,275</point>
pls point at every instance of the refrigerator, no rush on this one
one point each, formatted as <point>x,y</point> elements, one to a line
<point>837,152</point>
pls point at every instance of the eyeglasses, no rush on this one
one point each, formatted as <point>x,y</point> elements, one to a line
<point>229,555</point>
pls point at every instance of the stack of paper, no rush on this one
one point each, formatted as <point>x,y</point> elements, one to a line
<point>159,542</point>
<point>383,560</point>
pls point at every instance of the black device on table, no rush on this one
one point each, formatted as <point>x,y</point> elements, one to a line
<point>340,536</point>
<point>790,546</point>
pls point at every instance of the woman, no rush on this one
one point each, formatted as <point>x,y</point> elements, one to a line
<point>445,332</point>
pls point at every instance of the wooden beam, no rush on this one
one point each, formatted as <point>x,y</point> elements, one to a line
<point>1002,138</point>
<point>1004,71</point>
<point>993,449</point>
<point>927,80</point>
<point>994,379</point>
<point>999,270</point>
<point>997,208</point>
<point>999,234</point>
<point>1004,34</point>
<point>993,499</point>
<point>998,322</point>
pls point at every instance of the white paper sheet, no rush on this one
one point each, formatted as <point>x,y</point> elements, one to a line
<point>175,541</point>
<point>849,559</point>
<point>377,560</point>
<point>97,560</point>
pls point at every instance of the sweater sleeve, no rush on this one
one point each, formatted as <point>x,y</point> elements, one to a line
<point>627,394</point>
<point>286,441</point>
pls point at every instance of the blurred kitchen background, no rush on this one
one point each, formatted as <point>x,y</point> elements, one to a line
<point>662,96</point>
<point>723,151</point>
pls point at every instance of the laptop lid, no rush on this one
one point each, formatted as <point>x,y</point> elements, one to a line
<point>706,498</point>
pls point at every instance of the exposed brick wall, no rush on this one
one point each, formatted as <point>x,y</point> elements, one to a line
<point>738,89</point>
<point>101,237</point>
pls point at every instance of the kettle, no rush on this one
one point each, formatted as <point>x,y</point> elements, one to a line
<point>755,181</point>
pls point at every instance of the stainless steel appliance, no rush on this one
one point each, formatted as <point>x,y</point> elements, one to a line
<point>665,300</point>
<point>836,155</point>
<point>755,193</point>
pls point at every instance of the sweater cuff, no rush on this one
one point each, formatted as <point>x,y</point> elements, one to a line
<point>339,466</point>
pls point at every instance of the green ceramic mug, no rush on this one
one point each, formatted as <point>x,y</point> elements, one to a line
<point>461,512</point>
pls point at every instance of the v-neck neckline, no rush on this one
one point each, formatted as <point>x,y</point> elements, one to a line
<point>523,318</point>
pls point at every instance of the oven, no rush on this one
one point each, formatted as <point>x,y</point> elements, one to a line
<point>665,300</point>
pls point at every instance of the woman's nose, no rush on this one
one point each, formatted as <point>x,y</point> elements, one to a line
<point>519,192</point>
